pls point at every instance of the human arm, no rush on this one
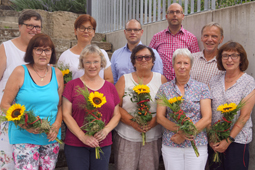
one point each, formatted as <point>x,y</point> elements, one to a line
<point>125,116</point>
<point>73,126</point>
<point>163,79</point>
<point>52,135</point>
<point>245,114</point>
<point>2,60</point>
<point>101,135</point>
<point>113,67</point>
<point>108,74</point>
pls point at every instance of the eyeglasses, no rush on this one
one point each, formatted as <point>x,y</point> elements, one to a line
<point>83,29</point>
<point>140,57</point>
<point>232,56</point>
<point>29,26</point>
<point>40,51</point>
<point>88,63</point>
<point>172,12</point>
<point>135,30</point>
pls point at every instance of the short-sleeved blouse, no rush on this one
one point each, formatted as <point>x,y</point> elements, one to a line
<point>194,92</point>
<point>78,113</point>
<point>234,94</point>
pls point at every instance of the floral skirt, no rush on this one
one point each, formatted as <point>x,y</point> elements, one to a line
<point>6,160</point>
<point>30,156</point>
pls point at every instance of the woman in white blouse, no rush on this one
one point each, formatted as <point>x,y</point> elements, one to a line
<point>84,29</point>
<point>231,87</point>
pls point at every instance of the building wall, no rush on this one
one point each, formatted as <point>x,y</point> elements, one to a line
<point>238,23</point>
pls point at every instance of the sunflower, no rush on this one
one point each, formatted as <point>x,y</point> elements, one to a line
<point>15,112</point>
<point>227,107</point>
<point>140,88</point>
<point>97,99</point>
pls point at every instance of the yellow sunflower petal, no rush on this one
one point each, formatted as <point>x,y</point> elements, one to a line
<point>97,99</point>
<point>227,107</point>
<point>15,112</point>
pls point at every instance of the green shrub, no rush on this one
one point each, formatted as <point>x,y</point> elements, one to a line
<point>76,6</point>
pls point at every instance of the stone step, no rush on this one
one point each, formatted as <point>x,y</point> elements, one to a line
<point>6,24</point>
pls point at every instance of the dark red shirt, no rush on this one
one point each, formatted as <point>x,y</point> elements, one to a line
<point>78,113</point>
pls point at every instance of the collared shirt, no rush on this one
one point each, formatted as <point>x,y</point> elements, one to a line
<point>194,92</point>
<point>203,70</point>
<point>234,94</point>
<point>121,63</point>
<point>166,43</point>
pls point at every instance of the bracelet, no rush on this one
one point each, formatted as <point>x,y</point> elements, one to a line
<point>231,139</point>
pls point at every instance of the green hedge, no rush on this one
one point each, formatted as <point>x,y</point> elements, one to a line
<point>76,6</point>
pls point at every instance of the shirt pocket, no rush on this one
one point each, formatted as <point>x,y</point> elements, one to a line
<point>192,106</point>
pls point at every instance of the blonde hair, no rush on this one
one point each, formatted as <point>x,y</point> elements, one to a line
<point>91,49</point>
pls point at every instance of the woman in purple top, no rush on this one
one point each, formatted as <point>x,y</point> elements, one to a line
<point>79,147</point>
<point>176,147</point>
<point>231,87</point>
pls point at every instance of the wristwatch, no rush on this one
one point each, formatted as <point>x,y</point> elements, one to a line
<point>231,139</point>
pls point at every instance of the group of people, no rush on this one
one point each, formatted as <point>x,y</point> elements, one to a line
<point>172,66</point>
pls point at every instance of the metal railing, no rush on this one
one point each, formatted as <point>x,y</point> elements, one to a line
<point>111,15</point>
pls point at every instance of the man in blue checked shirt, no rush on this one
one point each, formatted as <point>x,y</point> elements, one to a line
<point>121,62</point>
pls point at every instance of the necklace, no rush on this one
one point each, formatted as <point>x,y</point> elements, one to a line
<point>42,77</point>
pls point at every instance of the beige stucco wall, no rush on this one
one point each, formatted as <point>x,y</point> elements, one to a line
<point>238,23</point>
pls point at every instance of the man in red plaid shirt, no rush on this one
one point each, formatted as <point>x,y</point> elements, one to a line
<point>172,38</point>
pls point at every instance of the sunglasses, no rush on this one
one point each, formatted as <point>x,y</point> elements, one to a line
<point>140,57</point>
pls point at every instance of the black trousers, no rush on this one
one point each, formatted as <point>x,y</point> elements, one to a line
<point>236,157</point>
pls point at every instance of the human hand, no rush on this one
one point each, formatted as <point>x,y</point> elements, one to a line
<point>101,135</point>
<point>185,136</point>
<point>222,146</point>
<point>177,138</point>
<point>137,127</point>
<point>91,141</point>
<point>213,145</point>
<point>30,130</point>
<point>53,133</point>
<point>150,124</point>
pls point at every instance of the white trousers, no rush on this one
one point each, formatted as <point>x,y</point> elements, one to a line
<point>184,158</point>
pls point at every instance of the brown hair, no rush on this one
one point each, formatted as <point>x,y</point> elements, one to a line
<point>84,18</point>
<point>139,48</point>
<point>27,15</point>
<point>40,40</point>
<point>233,46</point>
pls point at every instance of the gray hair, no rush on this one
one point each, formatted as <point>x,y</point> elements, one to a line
<point>213,24</point>
<point>91,49</point>
<point>183,52</point>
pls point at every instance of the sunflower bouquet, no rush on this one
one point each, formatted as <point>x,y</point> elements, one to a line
<point>23,118</point>
<point>67,74</point>
<point>220,130</point>
<point>184,123</point>
<point>141,96</point>
<point>92,122</point>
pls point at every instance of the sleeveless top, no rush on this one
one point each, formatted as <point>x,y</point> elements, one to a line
<point>71,59</point>
<point>128,132</point>
<point>43,101</point>
<point>14,58</point>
